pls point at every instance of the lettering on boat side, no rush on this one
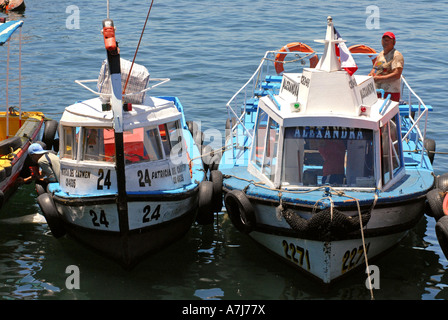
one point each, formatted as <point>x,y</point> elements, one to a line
<point>296,254</point>
<point>367,90</point>
<point>305,81</point>
<point>232,309</point>
<point>85,174</point>
<point>329,133</point>
<point>291,86</point>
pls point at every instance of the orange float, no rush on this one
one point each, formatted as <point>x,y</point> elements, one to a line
<point>293,46</point>
<point>362,48</point>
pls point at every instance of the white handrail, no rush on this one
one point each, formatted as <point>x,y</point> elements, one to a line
<point>81,83</point>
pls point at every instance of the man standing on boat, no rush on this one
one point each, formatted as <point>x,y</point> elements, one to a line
<point>388,68</point>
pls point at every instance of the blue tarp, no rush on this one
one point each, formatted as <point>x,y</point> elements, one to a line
<point>7,29</point>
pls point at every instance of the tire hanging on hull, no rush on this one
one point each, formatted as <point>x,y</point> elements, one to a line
<point>51,214</point>
<point>240,210</point>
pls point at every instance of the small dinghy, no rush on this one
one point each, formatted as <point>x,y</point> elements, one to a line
<point>320,170</point>
<point>12,5</point>
<point>130,171</point>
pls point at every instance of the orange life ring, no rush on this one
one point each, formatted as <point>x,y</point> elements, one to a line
<point>293,46</point>
<point>362,48</point>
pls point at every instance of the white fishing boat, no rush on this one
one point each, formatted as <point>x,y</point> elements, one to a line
<point>18,128</point>
<point>130,172</point>
<point>287,129</point>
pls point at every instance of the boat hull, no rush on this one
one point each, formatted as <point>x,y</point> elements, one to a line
<point>326,249</point>
<point>152,224</point>
<point>327,261</point>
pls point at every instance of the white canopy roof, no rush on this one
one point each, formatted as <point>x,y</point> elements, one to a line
<point>154,111</point>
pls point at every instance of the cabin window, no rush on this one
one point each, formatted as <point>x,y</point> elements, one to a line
<point>265,145</point>
<point>70,142</point>
<point>170,136</point>
<point>391,150</point>
<point>336,156</point>
<point>142,144</point>
<point>98,144</point>
<point>270,154</point>
<point>260,139</point>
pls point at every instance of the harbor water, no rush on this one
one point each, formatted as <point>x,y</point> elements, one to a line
<point>209,49</point>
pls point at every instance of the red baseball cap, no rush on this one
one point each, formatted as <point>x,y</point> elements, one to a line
<point>389,34</point>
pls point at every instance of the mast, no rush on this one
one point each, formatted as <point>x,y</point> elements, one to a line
<point>329,61</point>
<point>113,58</point>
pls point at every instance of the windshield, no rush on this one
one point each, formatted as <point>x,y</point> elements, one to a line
<point>338,156</point>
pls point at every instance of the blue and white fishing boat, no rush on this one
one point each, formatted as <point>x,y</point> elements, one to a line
<point>130,172</point>
<point>285,134</point>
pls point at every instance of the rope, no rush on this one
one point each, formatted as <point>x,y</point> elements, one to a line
<point>330,191</point>
<point>364,242</point>
<point>136,50</point>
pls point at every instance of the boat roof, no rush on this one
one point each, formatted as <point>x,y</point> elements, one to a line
<point>7,29</point>
<point>329,95</point>
<point>153,111</point>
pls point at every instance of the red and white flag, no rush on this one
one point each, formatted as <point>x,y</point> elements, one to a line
<point>347,61</point>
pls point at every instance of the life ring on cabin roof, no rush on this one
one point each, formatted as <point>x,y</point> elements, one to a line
<point>362,48</point>
<point>293,46</point>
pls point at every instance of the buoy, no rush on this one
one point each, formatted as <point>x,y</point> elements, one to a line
<point>216,179</point>
<point>240,211</point>
<point>435,201</point>
<point>442,234</point>
<point>362,48</point>
<point>51,214</point>
<point>205,209</point>
<point>293,46</point>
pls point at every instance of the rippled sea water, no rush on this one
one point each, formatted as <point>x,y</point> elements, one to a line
<point>209,49</point>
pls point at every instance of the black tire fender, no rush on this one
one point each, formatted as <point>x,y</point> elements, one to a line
<point>216,179</point>
<point>240,210</point>
<point>205,209</point>
<point>442,182</point>
<point>442,234</point>
<point>435,201</point>
<point>430,146</point>
<point>51,214</point>
<point>51,126</point>
<point>39,189</point>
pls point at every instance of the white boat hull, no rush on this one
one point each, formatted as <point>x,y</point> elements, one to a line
<point>150,226</point>
<point>326,261</point>
<point>329,252</point>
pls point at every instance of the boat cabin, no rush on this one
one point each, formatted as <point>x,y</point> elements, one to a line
<point>327,127</point>
<point>155,153</point>
<point>341,148</point>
